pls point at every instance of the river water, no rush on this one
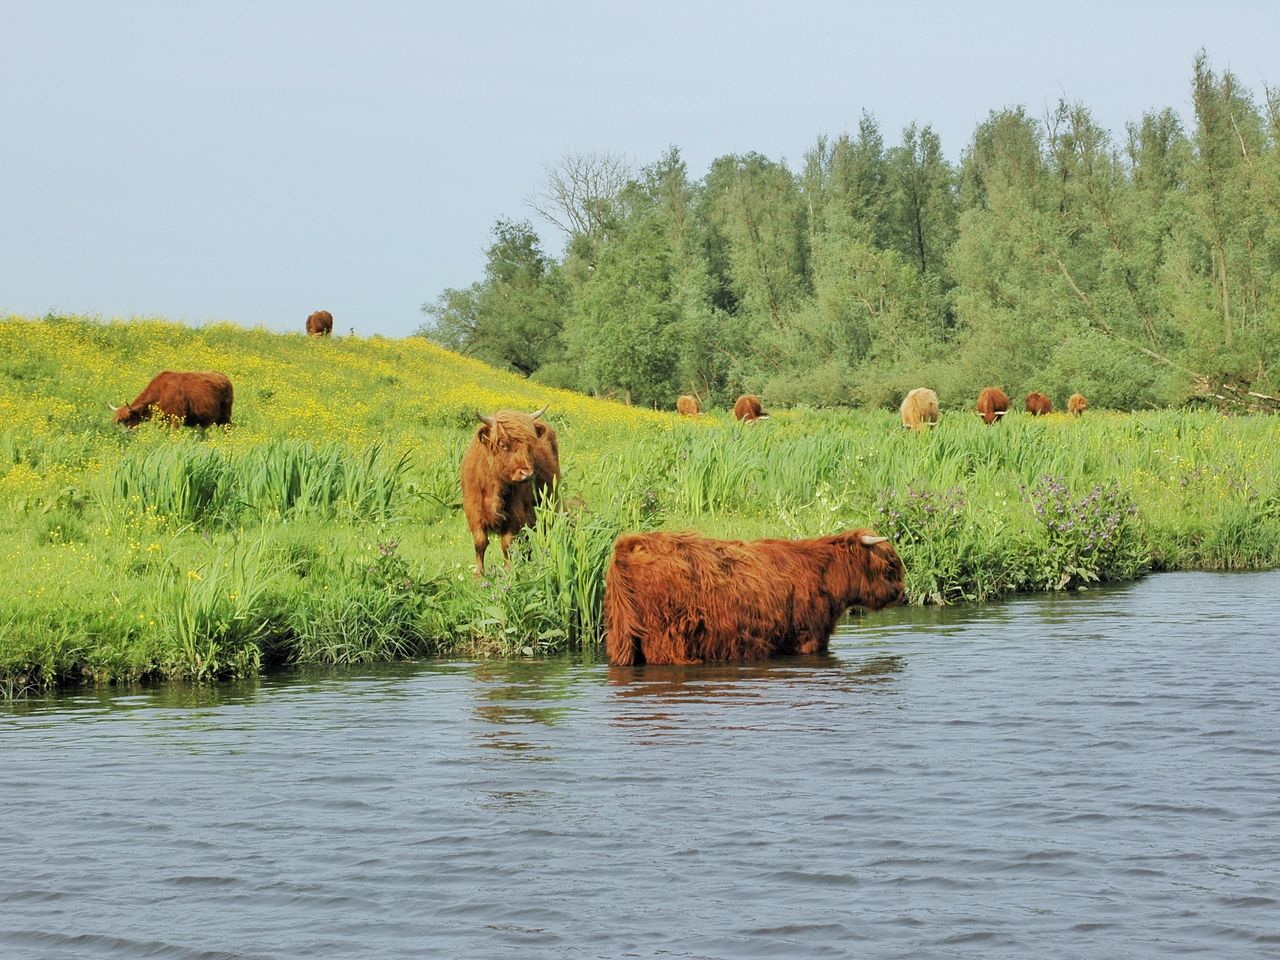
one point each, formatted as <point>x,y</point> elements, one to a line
<point>1094,775</point>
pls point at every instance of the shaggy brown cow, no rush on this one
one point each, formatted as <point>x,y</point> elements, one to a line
<point>1076,404</point>
<point>1038,404</point>
<point>511,460</point>
<point>196,398</point>
<point>320,324</point>
<point>747,409</point>
<point>993,403</point>
<point>683,598</point>
<point>920,409</point>
<point>688,406</point>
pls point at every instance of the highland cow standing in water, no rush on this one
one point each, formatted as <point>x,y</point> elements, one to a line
<point>1076,404</point>
<point>193,398</point>
<point>1038,404</point>
<point>920,409</point>
<point>747,409</point>
<point>684,598</point>
<point>993,403</point>
<point>687,406</point>
<point>320,324</point>
<point>512,459</point>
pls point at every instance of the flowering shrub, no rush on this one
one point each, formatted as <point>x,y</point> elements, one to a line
<point>1088,539</point>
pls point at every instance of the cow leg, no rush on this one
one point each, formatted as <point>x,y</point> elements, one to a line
<point>808,644</point>
<point>506,547</point>
<point>481,540</point>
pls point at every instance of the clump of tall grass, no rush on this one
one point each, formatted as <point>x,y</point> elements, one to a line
<point>216,616</point>
<point>372,611</point>
<point>954,547</point>
<point>551,598</point>
<point>297,478</point>
<point>191,482</point>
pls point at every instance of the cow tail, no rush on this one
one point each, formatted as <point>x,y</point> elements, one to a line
<point>621,624</point>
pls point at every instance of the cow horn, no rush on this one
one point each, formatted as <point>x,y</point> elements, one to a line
<point>1001,413</point>
<point>483,419</point>
<point>112,407</point>
<point>535,416</point>
<point>869,541</point>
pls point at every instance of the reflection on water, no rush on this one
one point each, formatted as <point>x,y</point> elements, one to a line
<point>1085,775</point>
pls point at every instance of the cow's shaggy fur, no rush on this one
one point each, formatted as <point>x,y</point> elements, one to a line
<point>684,598</point>
<point>748,409</point>
<point>1076,404</point>
<point>195,398</point>
<point>687,406</point>
<point>1038,404</point>
<point>320,324</point>
<point>510,462</point>
<point>919,409</point>
<point>993,403</point>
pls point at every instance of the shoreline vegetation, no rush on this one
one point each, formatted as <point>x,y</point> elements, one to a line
<point>325,526</point>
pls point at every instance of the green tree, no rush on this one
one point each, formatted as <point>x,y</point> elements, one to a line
<point>624,330</point>
<point>1225,251</point>
<point>921,220</point>
<point>757,236</point>
<point>513,318</point>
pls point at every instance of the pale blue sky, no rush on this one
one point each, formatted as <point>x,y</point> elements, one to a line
<point>255,161</point>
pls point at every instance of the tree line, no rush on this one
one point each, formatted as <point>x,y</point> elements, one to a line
<point>1138,270</point>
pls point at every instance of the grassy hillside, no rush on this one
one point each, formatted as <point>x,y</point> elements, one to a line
<point>325,524</point>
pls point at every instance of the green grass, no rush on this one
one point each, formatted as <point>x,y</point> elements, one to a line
<point>325,526</point>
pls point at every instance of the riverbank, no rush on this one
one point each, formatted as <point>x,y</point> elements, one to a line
<point>325,525</point>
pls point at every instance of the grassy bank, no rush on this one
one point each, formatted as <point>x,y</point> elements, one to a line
<point>325,525</point>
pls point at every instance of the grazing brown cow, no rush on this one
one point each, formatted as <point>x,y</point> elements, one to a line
<point>687,406</point>
<point>920,409</point>
<point>320,324</point>
<point>196,398</point>
<point>1038,404</point>
<point>1076,404</point>
<point>993,403</point>
<point>683,598</point>
<point>511,460</point>
<point>747,409</point>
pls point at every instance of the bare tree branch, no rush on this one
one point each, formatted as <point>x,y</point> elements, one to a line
<point>580,192</point>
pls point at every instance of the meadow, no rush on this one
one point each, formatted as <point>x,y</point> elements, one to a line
<point>325,526</point>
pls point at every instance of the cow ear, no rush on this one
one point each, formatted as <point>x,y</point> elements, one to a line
<point>482,433</point>
<point>540,428</point>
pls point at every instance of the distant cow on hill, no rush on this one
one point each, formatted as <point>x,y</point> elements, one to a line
<point>196,398</point>
<point>320,324</point>
<point>1076,404</point>
<point>687,406</point>
<point>512,459</point>
<point>747,409</point>
<point>684,598</point>
<point>1038,404</point>
<point>919,409</point>
<point>993,403</point>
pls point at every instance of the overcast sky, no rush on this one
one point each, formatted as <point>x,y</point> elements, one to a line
<point>255,161</point>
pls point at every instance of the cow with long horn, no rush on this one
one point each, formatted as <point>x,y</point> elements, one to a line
<point>993,403</point>
<point>685,598</point>
<point>511,465</point>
